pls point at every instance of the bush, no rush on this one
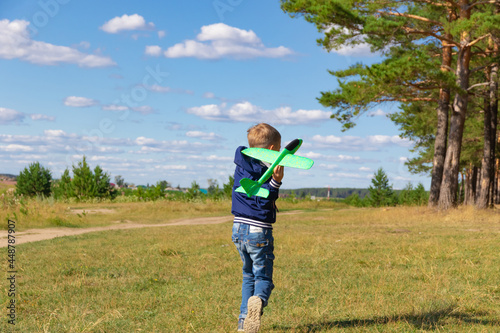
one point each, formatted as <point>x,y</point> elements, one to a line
<point>34,180</point>
<point>411,196</point>
<point>354,200</point>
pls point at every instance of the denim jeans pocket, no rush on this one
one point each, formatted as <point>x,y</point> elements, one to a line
<point>260,239</point>
<point>258,242</point>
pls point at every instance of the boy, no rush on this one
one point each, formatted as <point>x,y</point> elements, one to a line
<point>253,227</point>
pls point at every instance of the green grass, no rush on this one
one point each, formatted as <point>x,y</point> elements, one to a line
<point>350,270</point>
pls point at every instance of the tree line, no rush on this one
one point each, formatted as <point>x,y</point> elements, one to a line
<point>85,183</point>
<point>322,192</point>
<point>440,64</point>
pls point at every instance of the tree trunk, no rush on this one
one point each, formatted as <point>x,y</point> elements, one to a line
<point>497,184</point>
<point>448,193</point>
<point>441,133</point>
<point>470,185</point>
<point>461,196</point>
<point>494,115</point>
<point>486,166</point>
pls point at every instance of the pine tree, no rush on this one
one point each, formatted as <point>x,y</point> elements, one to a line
<point>83,180</point>
<point>101,180</point>
<point>422,42</point>
<point>381,193</point>
<point>63,188</point>
<point>34,180</point>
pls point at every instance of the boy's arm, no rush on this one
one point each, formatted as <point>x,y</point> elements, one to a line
<point>273,186</point>
<point>278,174</point>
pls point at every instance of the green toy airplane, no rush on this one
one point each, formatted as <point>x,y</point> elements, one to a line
<point>285,158</point>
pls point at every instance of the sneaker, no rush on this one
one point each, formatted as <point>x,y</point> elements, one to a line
<point>241,322</point>
<point>252,321</point>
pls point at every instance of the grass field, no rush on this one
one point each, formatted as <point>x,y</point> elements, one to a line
<point>336,270</point>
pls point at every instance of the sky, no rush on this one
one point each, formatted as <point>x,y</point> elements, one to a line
<point>166,90</point>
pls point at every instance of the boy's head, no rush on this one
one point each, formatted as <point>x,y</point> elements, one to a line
<point>264,136</point>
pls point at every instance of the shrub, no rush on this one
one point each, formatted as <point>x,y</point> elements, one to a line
<point>411,196</point>
<point>354,200</point>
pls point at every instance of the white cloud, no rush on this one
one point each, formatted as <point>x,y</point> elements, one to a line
<point>114,107</point>
<point>159,89</point>
<point>56,133</point>
<point>365,169</point>
<point>211,158</point>
<point>377,113</point>
<point>219,40</point>
<point>356,143</point>
<point>161,34</point>
<point>164,90</point>
<point>84,45</point>
<point>8,116</point>
<point>153,50</point>
<point>126,22</point>
<point>348,175</point>
<point>37,116</point>
<point>247,112</point>
<point>328,166</point>
<point>209,95</point>
<point>221,31</point>
<point>16,148</point>
<point>65,148</point>
<point>176,146</point>
<point>79,102</point>
<point>171,167</point>
<point>202,135</point>
<point>16,43</point>
<point>359,50</point>
<point>337,158</point>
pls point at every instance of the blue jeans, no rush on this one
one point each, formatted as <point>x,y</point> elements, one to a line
<point>256,246</point>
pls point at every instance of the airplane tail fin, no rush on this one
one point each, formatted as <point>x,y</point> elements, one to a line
<point>251,188</point>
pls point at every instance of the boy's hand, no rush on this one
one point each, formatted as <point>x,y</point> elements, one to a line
<point>278,173</point>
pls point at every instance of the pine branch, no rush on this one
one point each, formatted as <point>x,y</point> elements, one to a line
<point>479,68</point>
<point>483,3</point>
<point>405,100</point>
<point>420,87</point>
<point>449,4</point>
<point>478,39</point>
<point>420,18</point>
<point>478,85</point>
<point>428,33</point>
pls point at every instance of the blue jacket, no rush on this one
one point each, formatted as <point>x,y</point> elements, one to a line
<point>256,211</point>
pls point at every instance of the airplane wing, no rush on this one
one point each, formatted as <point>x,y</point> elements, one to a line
<point>270,156</point>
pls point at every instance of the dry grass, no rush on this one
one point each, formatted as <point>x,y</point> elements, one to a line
<point>348,270</point>
<point>48,213</point>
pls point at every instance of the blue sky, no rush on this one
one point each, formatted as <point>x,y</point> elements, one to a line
<point>166,90</point>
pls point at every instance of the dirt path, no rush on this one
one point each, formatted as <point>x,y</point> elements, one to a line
<point>35,235</point>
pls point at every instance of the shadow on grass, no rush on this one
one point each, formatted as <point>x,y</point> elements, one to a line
<point>430,320</point>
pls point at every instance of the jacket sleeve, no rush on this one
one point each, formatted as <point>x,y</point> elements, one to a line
<point>274,189</point>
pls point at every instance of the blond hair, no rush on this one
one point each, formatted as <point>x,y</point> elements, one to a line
<point>263,135</point>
